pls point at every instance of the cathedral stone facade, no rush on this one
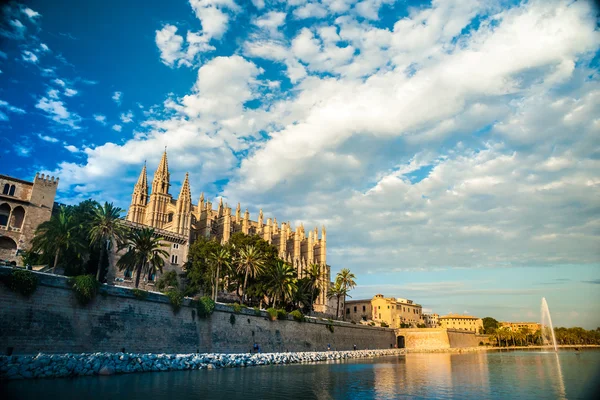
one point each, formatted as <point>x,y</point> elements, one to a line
<point>180,223</point>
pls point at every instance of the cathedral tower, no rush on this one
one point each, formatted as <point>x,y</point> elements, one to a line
<point>139,198</point>
<point>156,211</point>
<point>184,208</point>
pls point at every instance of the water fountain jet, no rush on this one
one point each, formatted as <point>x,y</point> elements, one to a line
<point>547,324</point>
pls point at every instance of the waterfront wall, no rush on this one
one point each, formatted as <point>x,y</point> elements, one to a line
<point>439,338</point>
<point>52,321</point>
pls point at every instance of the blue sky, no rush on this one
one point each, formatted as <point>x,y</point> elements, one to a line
<point>450,147</point>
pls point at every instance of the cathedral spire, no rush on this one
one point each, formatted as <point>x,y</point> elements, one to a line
<point>160,183</point>
<point>142,183</point>
<point>185,193</point>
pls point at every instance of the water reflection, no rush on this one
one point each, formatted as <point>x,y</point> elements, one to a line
<point>523,375</point>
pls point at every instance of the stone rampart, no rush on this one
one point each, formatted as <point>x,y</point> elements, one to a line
<point>424,338</point>
<point>52,321</point>
<point>459,339</point>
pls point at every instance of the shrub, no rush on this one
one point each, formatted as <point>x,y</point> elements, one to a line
<point>175,298</point>
<point>384,324</point>
<point>139,294</point>
<point>372,323</point>
<point>169,279</point>
<point>232,319</point>
<point>22,281</point>
<point>85,287</point>
<point>297,315</point>
<point>272,313</point>
<point>236,308</point>
<point>330,328</point>
<point>205,306</point>
<point>281,314</point>
<point>256,311</point>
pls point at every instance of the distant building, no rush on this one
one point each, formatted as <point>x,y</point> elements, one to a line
<point>23,206</point>
<point>461,322</point>
<point>392,311</point>
<point>516,326</point>
<point>431,320</point>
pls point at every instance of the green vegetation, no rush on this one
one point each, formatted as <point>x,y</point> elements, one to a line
<point>21,281</point>
<point>281,314</point>
<point>144,254</point>
<point>490,325</point>
<point>329,325</point>
<point>236,308</point>
<point>297,315</point>
<point>176,299</point>
<point>384,324</point>
<point>106,229</point>
<point>506,337</point>
<point>168,281</point>
<point>205,307</point>
<point>272,313</point>
<point>140,294</point>
<point>256,311</point>
<point>85,288</point>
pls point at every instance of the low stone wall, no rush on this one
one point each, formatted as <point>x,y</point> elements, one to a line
<point>460,339</point>
<point>424,338</point>
<point>52,321</point>
<point>71,365</point>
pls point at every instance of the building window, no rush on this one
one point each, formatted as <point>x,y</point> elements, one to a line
<point>347,311</point>
<point>388,307</point>
<point>354,308</point>
<point>151,277</point>
<point>173,259</point>
<point>364,308</point>
<point>379,307</point>
<point>380,316</point>
<point>175,246</point>
<point>170,217</point>
<point>6,189</point>
<point>128,273</point>
<point>12,191</point>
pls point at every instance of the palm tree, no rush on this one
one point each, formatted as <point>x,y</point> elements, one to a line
<point>313,273</point>
<point>347,281</point>
<point>106,228</point>
<point>337,291</point>
<point>58,234</point>
<point>250,262</point>
<point>281,282</point>
<point>219,258</point>
<point>144,253</point>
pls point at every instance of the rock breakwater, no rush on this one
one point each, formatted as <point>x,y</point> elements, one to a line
<point>71,365</point>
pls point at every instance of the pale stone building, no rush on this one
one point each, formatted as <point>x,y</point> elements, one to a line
<point>389,310</point>
<point>23,206</point>
<point>431,320</point>
<point>516,326</point>
<point>461,322</point>
<point>181,222</point>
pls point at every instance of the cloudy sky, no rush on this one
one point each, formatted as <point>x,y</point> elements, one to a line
<point>451,148</point>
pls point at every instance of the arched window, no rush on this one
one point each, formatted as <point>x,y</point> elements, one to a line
<point>170,217</point>
<point>18,215</point>
<point>8,248</point>
<point>12,191</point>
<point>6,189</point>
<point>4,214</point>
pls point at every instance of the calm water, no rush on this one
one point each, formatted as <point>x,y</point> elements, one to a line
<point>494,375</point>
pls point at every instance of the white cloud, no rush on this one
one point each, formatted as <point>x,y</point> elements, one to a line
<point>5,105</point>
<point>117,97</point>
<point>173,49</point>
<point>260,4</point>
<point>72,148</point>
<point>53,94</point>
<point>44,47</point>
<point>100,118</point>
<point>59,82</point>
<point>127,117</point>
<point>214,15</point>
<point>117,128</point>
<point>70,92</point>
<point>57,111</point>
<point>271,22</point>
<point>29,56</point>
<point>46,138</point>
<point>30,13</point>
<point>310,10</point>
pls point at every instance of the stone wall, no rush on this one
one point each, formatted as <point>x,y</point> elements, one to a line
<point>52,321</point>
<point>439,338</point>
<point>424,338</point>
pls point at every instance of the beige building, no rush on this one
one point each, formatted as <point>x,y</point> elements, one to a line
<point>390,310</point>
<point>181,222</point>
<point>431,320</point>
<point>516,326</point>
<point>23,206</point>
<point>461,322</point>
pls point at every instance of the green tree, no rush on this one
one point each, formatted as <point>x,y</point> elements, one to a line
<point>313,273</point>
<point>281,282</point>
<point>220,259</point>
<point>105,229</point>
<point>250,262</point>
<point>198,271</point>
<point>347,282</point>
<point>144,254</point>
<point>60,233</point>
<point>490,325</point>
<point>339,292</point>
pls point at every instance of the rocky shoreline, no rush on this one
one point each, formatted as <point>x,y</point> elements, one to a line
<point>86,364</point>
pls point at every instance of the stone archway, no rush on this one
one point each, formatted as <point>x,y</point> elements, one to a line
<point>8,248</point>
<point>400,342</point>
<point>18,215</point>
<point>4,214</point>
